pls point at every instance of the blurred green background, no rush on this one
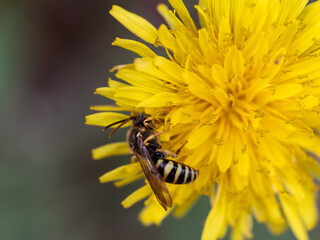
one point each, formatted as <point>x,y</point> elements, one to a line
<point>53,56</point>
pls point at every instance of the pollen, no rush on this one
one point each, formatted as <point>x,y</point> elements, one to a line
<point>242,91</point>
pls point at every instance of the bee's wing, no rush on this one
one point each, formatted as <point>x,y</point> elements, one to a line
<point>153,176</point>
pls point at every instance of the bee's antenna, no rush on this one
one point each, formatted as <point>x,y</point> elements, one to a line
<point>122,122</point>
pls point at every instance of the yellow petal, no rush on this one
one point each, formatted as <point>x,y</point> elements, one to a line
<point>244,164</point>
<point>309,211</point>
<point>225,39</point>
<point>308,102</point>
<point>305,40</point>
<point>183,13</point>
<point>287,90</point>
<point>253,44</point>
<point>105,118</point>
<point>207,46</point>
<point>121,172</point>
<point>167,39</point>
<point>111,149</point>
<point>182,210</point>
<point>203,17</point>
<point>225,155</point>
<point>133,94</point>
<point>290,9</point>
<point>199,136</point>
<point>134,46</point>
<point>311,13</point>
<point>310,165</point>
<point>162,99</point>
<point>176,116</point>
<point>146,65</point>
<point>116,84</point>
<point>220,10</point>
<point>282,91</point>
<point>136,24</point>
<point>129,180</point>
<point>106,92</point>
<point>136,196</point>
<point>110,108</point>
<point>238,65</point>
<point>188,44</point>
<point>142,80</point>
<point>169,17</point>
<point>293,217</point>
<point>285,39</point>
<point>219,75</point>
<point>171,68</point>
<point>153,213</point>
<point>215,225</point>
<point>243,228</point>
<point>203,92</point>
<point>304,68</point>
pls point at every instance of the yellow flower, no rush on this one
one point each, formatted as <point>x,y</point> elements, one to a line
<point>243,90</point>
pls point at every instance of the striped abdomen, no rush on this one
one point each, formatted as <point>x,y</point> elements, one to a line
<point>174,172</point>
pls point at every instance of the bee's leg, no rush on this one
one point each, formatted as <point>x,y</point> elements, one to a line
<point>179,150</point>
<point>153,145</point>
<point>133,159</point>
<point>160,154</point>
<point>152,136</point>
<point>174,155</point>
<point>169,153</point>
<point>147,123</point>
<point>149,119</point>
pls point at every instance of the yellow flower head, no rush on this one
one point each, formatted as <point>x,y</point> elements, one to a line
<point>243,92</point>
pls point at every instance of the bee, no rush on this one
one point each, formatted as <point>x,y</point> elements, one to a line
<point>144,144</point>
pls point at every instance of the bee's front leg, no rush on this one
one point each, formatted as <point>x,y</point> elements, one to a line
<point>152,136</point>
<point>147,123</point>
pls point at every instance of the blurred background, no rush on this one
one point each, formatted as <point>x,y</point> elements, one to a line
<point>53,54</point>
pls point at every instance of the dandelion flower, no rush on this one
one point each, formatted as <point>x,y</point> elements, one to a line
<point>243,90</point>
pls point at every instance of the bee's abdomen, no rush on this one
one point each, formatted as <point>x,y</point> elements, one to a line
<point>174,172</point>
